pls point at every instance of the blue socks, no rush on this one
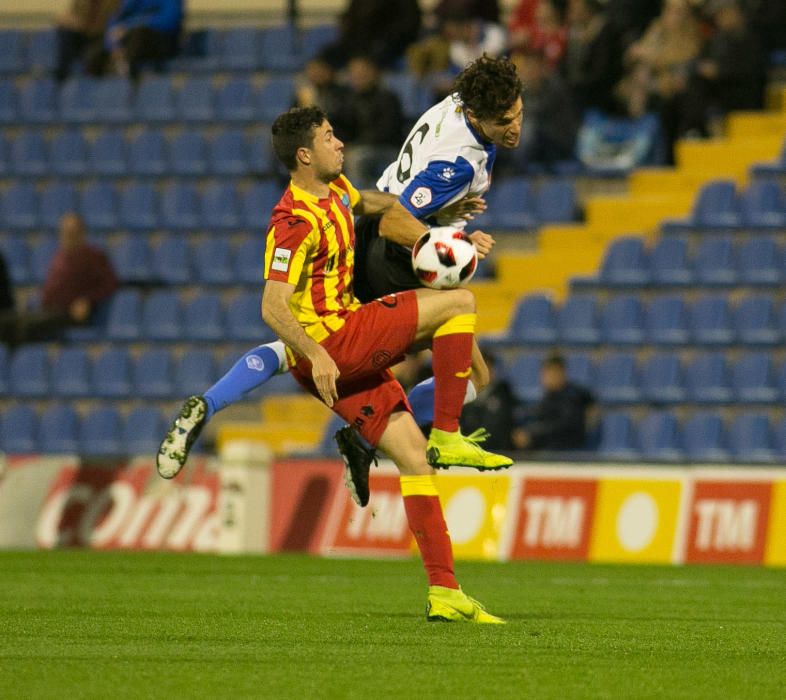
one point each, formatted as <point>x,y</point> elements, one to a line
<point>421,399</point>
<point>254,369</point>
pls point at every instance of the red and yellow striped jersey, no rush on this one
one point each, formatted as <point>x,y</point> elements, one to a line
<point>311,245</point>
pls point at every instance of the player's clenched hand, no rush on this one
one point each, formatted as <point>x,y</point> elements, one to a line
<point>483,243</point>
<point>464,208</point>
<point>324,373</point>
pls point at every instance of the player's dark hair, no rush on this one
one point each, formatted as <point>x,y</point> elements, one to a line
<point>488,86</point>
<point>295,129</point>
<point>554,359</point>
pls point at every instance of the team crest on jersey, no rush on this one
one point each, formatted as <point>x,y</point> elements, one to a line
<point>281,258</point>
<point>421,197</point>
<point>345,199</point>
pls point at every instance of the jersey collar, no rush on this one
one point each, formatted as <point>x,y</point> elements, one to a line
<point>301,194</point>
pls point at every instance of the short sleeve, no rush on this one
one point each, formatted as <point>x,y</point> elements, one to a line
<point>288,243</point>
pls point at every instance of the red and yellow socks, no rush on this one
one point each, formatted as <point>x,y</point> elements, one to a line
<point>451,360</point>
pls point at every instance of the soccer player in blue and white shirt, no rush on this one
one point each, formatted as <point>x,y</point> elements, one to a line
<point>440,175</point>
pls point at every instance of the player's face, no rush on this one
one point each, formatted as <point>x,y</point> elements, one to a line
<point>327,153</point>
<point>505,130</point>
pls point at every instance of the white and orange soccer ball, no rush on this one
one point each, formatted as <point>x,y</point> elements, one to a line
<point>444,258</point>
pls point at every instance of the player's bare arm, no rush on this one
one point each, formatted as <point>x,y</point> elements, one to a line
<point>278,315</point>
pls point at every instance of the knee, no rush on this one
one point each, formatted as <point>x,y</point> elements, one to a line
<point>462,301</point>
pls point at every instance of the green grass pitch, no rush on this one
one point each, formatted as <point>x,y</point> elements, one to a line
<point>81,624</point>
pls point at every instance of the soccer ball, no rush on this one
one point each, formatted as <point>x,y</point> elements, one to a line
<point>444,258</point>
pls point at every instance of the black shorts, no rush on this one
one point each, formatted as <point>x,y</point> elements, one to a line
<point>381,266</point>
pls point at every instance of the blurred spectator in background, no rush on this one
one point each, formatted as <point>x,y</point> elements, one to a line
<point>593,62</point>
<point>319,86</point>
<point>559,421</point>
<point>546,32</point>
<point>730,72</point>
<point>630,18</point>
<point>494,408</point>
<point>486,10</point>
<point>80,32</point>
<point>551,121</point>
<point>470,37</point>
<point>375,136</point>
<point>768,20</point>
<point>521,23</point>
<point>380,29</point>
<point>142,31</point>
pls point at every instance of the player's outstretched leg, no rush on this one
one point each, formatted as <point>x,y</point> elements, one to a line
<point>253,369</point>
<point>446,602</point>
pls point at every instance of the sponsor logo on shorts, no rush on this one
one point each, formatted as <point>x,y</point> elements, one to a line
<point>381,358</point>
<point>281,258</point>
<point>389,301</point>
<point>367,410</point>
<point>255,362</point>
<point>420,197</point>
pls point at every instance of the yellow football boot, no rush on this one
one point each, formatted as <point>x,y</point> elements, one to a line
<point>445,450</point>
<point>453,605</point>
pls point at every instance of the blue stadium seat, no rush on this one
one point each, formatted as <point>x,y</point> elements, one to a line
<point>763,205</point>
<point>258,203</point>
<point>244,320</point>
<point>274,97</point>
<point>220,206</point>
<point>755,321</point>
<point>617,378</point>
<point>200,52</point>
<point>99,206</point>
<point>660,437</point>
<point>669,262</point>
<point>667,321</point>
<point>41,258</point>
<point>511,205</point>
<point>524,377</point>
<point>716,262</point>
<point>556,202</point>
<point>279,49</point>
<point>139,207</point>
<point>533,321</point>
<point>752,439</point>
<point>228,153</point>
<point>618,438</point>
<point>147,154</point>
<point>760,261</point>
<point>38,101</point>
<point>99,433</point>
<point>260,159</point>
<point>162,316</point>
<point>58,431</point>
<point>18,430</point>
<point>155,100</point>
<point>131,259</point>
<point>315,38</point>
<point>706,439</point>
<point>195,372</point>
<point>195,100</point>
<point>42,51</point>
<point>626,263</point>
<point>188,154</point>
<point>754,379</point>
<point>69,154</point>
<point>125,316</point>
<point>717,206</point>
<point>204,318</point>
<point>17,260</point>
<point>9,102</point>
<point>78,100</point>
<point>112,374</point>
<point>153,374</point>
<point>172,260</point>
<point>12,58</point>
<point>240,50</point>
<point>662,379</point>
<point>30,154</point>
<point>108,154</point>
<point>579,369</point>
<point>577,320</point>
<point>180,206</point>
<point>622,321</point>
<point>249,261</point>
<point>707,379</point>
<point>29,372</point>
<point>237,101</point>
<point>142,431</point>
<point>71,373</point>
<point>113,100</point>
<point>57,199</point>
<point>711,321</point>
<point>213,261</point>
